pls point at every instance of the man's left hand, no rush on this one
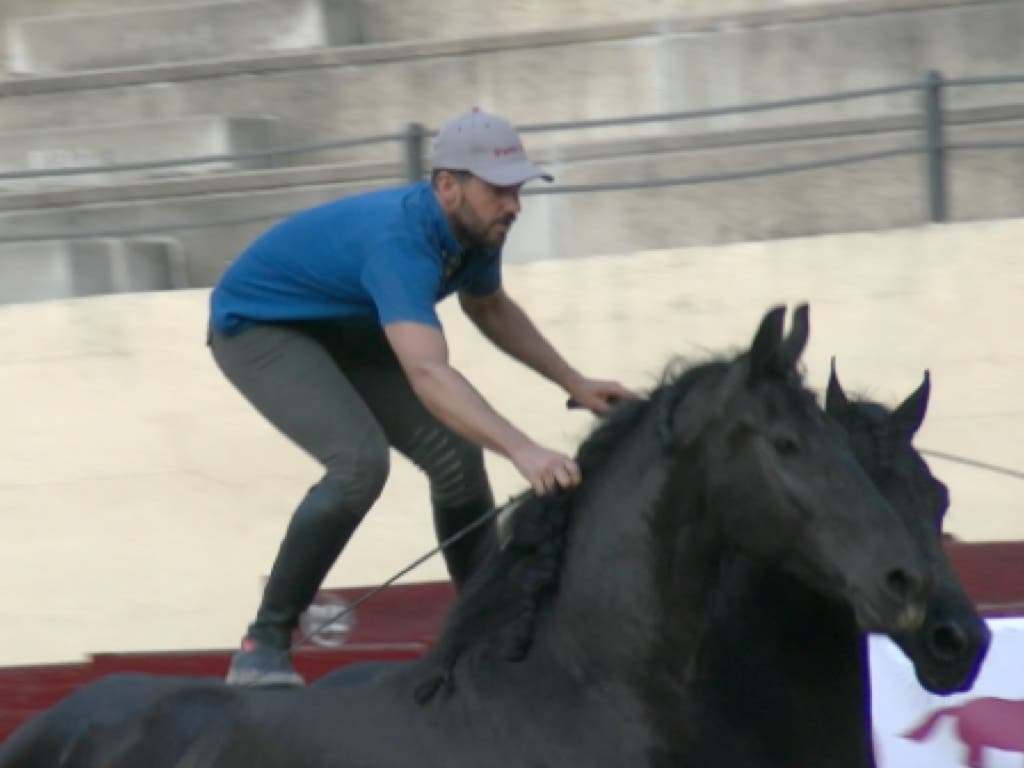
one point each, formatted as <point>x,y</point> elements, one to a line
<point>598,396</point>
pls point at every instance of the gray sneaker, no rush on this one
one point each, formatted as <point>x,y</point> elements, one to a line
<point>262,666</point>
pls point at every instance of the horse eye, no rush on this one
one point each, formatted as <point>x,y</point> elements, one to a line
<point>785,445</point>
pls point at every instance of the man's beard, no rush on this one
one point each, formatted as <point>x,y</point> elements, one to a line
<point>472,233</point>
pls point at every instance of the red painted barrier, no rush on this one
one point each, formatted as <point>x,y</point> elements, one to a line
<point>992,573</point>
<point>26,690</point>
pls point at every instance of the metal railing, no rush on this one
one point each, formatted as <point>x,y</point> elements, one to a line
<point>412,140</point>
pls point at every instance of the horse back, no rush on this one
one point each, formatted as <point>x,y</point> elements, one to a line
<point>100,721</point>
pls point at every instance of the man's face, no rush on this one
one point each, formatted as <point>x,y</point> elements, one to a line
<point>483,213</point>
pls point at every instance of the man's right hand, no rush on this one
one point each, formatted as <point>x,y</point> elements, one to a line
<point>546,470</point>
<point>423,354</point>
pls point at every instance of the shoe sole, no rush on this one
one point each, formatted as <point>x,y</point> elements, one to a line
<point>265,679</point>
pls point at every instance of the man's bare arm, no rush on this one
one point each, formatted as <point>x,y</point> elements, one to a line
<point>509,328</point>
<point>423,354</point>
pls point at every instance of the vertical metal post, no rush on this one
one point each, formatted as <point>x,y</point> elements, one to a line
<point>415,134</point>
<point>935,153</point>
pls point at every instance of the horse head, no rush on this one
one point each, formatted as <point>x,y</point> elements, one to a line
<point>783,486</point>
<point>948,648</point>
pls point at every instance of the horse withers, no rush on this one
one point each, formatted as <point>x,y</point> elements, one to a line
<point>576,640</point>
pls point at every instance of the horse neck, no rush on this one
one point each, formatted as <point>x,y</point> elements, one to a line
<point>610,619</point>
<point>779,662</point>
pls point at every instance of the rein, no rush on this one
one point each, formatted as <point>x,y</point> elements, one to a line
<point>486,517</point>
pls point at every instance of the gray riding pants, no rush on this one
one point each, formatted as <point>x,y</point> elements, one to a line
<point>340,394</point>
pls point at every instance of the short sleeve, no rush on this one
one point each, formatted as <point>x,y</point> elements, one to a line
<point>403,282</point>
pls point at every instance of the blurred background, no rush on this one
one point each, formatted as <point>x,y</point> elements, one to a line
<point>712,157</point>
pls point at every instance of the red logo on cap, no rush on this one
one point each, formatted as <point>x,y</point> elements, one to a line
<point>502,151</point>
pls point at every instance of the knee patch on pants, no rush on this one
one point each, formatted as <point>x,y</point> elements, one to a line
<point>349,489</point>
<point>454,465</point>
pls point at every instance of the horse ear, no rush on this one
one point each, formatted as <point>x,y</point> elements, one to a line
<point>795,341</point>
<point>909,415</point>
<point>837,404</point>
<point>764,351</point>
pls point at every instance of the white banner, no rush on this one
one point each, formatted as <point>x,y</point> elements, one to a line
<point>983,728</point>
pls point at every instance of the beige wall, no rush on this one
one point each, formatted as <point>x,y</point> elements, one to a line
<point>142,500</point>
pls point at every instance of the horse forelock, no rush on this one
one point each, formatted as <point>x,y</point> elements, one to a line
<point>796,396</point>
<point>880,443</point>
<point>867,425</point>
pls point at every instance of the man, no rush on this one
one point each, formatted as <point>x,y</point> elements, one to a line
<point>327,325</point>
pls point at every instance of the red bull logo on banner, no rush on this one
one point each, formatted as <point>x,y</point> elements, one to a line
<point>982,728</point>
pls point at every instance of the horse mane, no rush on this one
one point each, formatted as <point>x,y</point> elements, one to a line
<point>498,607</point>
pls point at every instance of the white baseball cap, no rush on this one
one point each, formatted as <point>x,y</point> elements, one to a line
<point>486,146</point>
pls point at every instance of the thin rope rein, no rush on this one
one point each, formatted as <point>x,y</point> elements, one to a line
<point>486,517</point>
<point>974,463</point>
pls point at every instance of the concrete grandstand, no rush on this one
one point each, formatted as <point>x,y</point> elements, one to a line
<point>139,92</point>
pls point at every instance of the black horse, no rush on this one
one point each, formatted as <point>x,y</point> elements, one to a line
<point>810,704</point>
<point>575,642</point>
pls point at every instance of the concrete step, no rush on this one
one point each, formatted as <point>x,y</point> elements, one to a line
<point>611,71</point>
<point>61,269</point>
<point>19,9</point>
<point>404,20</point>
<point>414,20</point>
<point>216,217</point>
<point>151,141</point>
<point>125,37</point>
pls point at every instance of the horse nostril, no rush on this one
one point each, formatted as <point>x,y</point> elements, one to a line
<point>947,642</point>
<point>904,584</point>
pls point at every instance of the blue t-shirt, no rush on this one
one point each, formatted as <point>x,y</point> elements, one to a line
<point>374,258</point>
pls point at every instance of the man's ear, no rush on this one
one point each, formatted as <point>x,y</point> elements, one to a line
<point>449,190</point>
